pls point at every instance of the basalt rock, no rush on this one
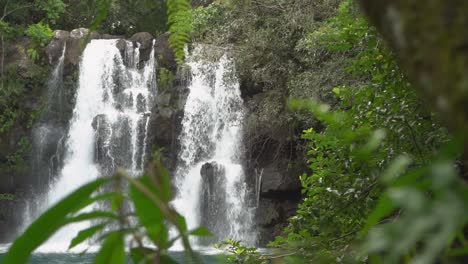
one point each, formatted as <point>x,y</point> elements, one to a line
<point>276,179</point>
<point>166,122</point>
<point>212,195</point>
<point>164,53</point>
<point>55,47</point>
<point>145,40</point>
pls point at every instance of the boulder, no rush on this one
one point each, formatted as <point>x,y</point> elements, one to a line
<point>75,46</point>
<point>61,34</point>
<point>121,45</point>
<point>212,197</point>
<point>267,212</point>
<point>145,40</point>
<point>55,48</point>
<point>276,180</point>
<point>164,53</point>
<point>108,36</point>
<point>164,99</point>
<point>249,88</point>
<point>103,133</point>
<point>272,217</point>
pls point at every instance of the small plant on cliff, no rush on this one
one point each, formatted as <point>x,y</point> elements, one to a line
<point>165,78</point>
<point>41,34</point>
<point>17,159</point>
<point>7,196</point>
<point>238,253</point>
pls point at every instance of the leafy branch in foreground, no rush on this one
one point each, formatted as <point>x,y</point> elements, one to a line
<point>419,215</point>
<point>238,253</point>
<point>115,227</point>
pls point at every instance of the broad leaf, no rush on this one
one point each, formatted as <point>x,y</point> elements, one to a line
<point>142,255</point>
<point>48,223</point>
<point>148,213</point>
<point>201,231</point>
<point>384,207</point>
<point>85,234</point>
<point>112,250</point>
<point>92,215</point>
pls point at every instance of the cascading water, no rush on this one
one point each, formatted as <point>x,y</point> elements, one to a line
<point>211,189</point>
<point>47,138</point>
<point>109,126</point>
<point>109,129</point>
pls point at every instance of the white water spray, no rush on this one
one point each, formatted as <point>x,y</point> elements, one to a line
<point>109,125</point>
<point>211,188</point>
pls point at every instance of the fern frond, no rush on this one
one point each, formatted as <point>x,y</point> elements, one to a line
<point>179,20</point>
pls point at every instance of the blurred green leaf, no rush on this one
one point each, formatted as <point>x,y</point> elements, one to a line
<point>167,259</point>
<point>48,223</point>
<point>384,207</point>
<point>201,231</point>
<point>85,234</point>
<point>395,169</point>
<point>92,215</point>
<point>142,255</point>
<point>148,213</point>
<point>112,250</point>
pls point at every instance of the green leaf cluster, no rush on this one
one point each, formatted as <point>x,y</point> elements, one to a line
<point>179,21</point>
<point>238,253</point>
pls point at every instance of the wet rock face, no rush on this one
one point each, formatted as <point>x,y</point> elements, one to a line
<point>146,42</point>
<point>273,158</point>
<point>164,53</point>
<point>276,180</point>
<point>55,47</point>
<point>213,194</point>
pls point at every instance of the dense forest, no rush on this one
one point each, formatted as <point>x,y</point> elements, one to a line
<point>354,128</point>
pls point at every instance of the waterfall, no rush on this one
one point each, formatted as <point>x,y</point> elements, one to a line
<point>109,129</point>
<point>47,138</point>
<point>109,126</point>
<point>211,189</point>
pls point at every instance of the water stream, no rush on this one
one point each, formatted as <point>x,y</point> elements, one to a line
<point>210,177</point>
<point>109,129</point>
<point>109,126</point>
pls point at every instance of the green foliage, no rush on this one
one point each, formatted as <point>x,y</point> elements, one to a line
<point>165,78</point>
<point>5,28</point>
<point>35,115</point>
<point>342,189</point>
<point>40,33</point>
<point>7,196</point>
<point>377,119</point>
<point>202,17</point>
<point>52,8</point>
<point>33,54</point>
<point>238,253</point>
<point>149,196</point>
<point>102,7</point>
<point>179,21</point>
<point>10,93</point>
<point>17,158</point>
<point>428,209</point>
